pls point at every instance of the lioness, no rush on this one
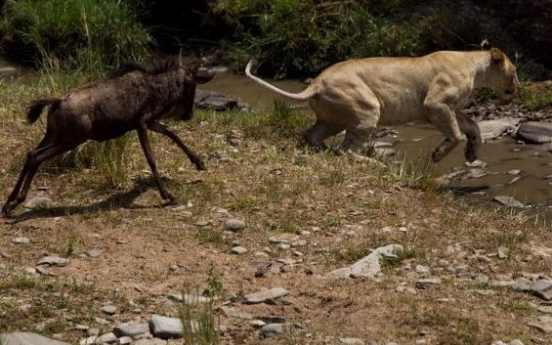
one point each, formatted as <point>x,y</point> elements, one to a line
<point>356,95</point>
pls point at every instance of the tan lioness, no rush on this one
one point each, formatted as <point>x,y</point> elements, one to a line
<point>356,95</point>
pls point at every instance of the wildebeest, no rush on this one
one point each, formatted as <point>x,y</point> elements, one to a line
<point>135,97</point>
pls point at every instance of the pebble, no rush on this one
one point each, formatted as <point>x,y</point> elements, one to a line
<point>235,225</point>
<point>53,261</point>
<point>165,327</point>
<point>239,250</point>
<point>427,283</point>
<point>109,309</point>
<point>21,240</point>
<point>263,296</point>
<point>131,329</point>
<point>95,253</point>
<point>286,238</point>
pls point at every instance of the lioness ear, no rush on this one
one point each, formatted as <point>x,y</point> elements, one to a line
<point>497,55</point>
<point>485,45</point>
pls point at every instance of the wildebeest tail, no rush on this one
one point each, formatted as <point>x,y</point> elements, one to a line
<point>35,108</point>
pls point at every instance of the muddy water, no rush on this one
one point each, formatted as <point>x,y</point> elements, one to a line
<point>415,143</point>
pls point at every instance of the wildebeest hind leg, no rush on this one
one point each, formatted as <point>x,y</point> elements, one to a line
<point>316,134</point>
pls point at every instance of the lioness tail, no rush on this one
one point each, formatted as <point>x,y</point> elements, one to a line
<point>302,96</point>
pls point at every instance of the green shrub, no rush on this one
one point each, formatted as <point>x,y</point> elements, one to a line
<point>82,34</point>
<point>301,37</point>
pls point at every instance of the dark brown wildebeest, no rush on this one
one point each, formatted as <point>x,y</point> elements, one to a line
<point>133,98</point>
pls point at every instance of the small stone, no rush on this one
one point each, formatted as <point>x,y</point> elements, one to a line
<point>21,240</point>
<point>257,323</point>
<point>109,309</point>
<point>421,269</point>
<point>427,283</point>
<point>508,201</point>
<point>101,321</point>
<point>95,253</point>
<point>235,225</point>
<point>283,246</point>
<point>124,340</point>
<point>264,295</point>
<point>108,338</point>
<point>239,250</point>
<point>516,342</point>
<point>131,329</point>
<point>25,338</point>
<point>514,172</point>
<point>502,253</point>
<point>283,238</point>
<point>53,261</point>
<point>165,327</point>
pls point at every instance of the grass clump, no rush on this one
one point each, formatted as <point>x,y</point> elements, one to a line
<point>84,34</point>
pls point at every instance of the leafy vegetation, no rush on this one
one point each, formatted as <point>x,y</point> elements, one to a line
<point>86,34</point>
<point>295,37</point>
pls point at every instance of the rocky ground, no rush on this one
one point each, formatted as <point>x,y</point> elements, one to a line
<point>274,244</point>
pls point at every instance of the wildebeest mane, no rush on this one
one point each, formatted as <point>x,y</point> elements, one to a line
<point>158,67</point>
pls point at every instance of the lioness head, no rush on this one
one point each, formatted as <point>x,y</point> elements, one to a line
<point>503,74</point>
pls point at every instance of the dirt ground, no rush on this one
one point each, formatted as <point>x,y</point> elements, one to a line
<point>259,172</point>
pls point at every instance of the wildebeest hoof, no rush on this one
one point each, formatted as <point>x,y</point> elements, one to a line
<point>200,165</point>
<point>8,208</point>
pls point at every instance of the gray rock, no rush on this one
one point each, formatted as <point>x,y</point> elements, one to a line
<point>53,261</point>
<point>8,72</point>
<point>21,240</point>
<point>216,101</point>
<point>492,129</point>
<point>263,296</point>
<point>154,341</point>
<point>428,283</point>
<point>541,288</point>
<point>239,250</point>
<point>165,327</point>
<point>108,338</point>
<point>108,309</point>
<point>131,329</point>
<point>95,253</point>
<point>508,201</point>
<point>516,342</point>
<point>189,299</point>
<point>235,225</point>
<point>27,338</point>
<point>88,341</point>
<point>535,132</point>
<point>230,312</point>
<point>351,341</point>
<point>273,329</point>
<point>124,340</point>
<point>543,324</point>
<point>369,266</point>
<point>286,238</point>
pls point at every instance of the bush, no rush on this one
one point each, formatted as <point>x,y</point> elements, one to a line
<point>84,34</point>
<point>301,37</point>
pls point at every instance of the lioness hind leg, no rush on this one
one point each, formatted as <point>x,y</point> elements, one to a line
<point>470,128</point>
<point>355,137</point>
<point>316,134</point>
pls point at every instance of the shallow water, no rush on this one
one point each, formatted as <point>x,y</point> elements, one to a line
<point>416,142</point>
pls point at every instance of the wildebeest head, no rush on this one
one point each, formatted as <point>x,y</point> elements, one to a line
<point>194,75</point>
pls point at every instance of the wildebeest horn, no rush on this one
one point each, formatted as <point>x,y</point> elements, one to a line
<point>196,67</point>
<point>180,58</point>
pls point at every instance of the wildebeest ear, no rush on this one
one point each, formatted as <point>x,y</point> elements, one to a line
<point>497,55</point>
<point>485,45</point>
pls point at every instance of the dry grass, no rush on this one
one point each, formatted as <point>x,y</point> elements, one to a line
<point>341,208</point>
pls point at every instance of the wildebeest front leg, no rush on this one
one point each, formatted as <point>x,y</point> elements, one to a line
<point>162,129</point>
<point>470,128</point>
<point>144,141</point>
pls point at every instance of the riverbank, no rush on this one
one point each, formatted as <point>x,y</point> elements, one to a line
<point>268,213</point>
